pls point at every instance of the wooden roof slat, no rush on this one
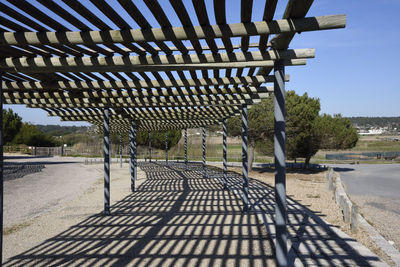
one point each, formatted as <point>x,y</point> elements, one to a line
<point>162,19</point>
<point>107,10</point>
<point>269,11</point>
<point>132,63</point>
<point>202,17</point>
<point>54,7</point>
<point>183,16</point>
<point>12,25</point>
<point>246,8</point>
<point>139,84</point>
<point>78,7</point>
<point>289,26</point>
<point>23,19</point>
<point>220,17</point>
<point>136,15</point>
<point>38,14</point>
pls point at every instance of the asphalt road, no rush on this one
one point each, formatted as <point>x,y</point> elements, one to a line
<point>375,188</point>
<point>381,180</point>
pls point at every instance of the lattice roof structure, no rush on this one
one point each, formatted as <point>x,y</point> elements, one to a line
<point>64,57</point>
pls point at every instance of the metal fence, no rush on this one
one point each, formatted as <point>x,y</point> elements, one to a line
<point>364,156</point>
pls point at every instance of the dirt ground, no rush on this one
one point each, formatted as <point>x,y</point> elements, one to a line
<point>310,190</point>
<point>37,208</point>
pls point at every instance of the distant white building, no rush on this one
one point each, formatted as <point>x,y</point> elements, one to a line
<point>374,131</point>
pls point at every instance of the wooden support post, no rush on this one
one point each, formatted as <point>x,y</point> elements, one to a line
<point>185,147</point>
<point>245,163</point>
<point>280,164</point>
<point>224,153</point>
<point>149,135</point>
<point>1,171</point>
<point>106,161</point>
<point>132,154</point>
<point>166,147</point>
<point>204,153</point>
<point>120,150</point>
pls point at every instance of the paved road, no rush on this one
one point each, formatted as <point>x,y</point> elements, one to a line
<point>371,179</point>
<point>375,188</point>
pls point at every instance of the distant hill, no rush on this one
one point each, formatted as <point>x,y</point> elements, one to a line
<point>57,130</point>
<point>369,122</point>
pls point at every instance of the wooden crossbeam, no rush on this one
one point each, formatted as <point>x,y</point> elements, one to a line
<point>124,97</point>
<point>140,84</point>
<point>143,94</point>
<point>174,33</point>
<point>86,103</point>
<point>152,63</point>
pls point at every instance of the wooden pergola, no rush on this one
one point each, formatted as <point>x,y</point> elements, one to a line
<point>128,70</point>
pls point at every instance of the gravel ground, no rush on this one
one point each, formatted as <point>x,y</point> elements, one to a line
<point>175,219</point>
<point>309,189</point>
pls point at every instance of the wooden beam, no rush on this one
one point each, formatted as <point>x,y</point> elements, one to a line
<point>140,84</point>
<point>174,33</point>
<point>154,63</point>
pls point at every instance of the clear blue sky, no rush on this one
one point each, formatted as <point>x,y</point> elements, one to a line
<point>354,70</point>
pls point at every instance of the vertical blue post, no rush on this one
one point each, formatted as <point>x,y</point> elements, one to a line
<point>204,153</point>
<point>245,162</point>
<point>280,163</point>
<point>149,147</point>
<point>106,161</point>
<point>1,170</point>
<point>120,150</point>
<point>224,143</point>
<point>132,154</point>
<point>186,158</point>
<point>166,147</point>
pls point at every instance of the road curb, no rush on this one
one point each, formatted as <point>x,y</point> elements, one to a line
<point>343,200</point>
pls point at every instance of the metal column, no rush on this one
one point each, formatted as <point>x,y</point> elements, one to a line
<point>204,153</point>
<point>132,154</point>
<point>245,162</point>
<point>225,178</point>
<point>1,170</point>
<point>106,161</point>
<point>186,159</point>
<point>149,146</point>
<point>120,150</point>
<point>280,163</point>
<point>166,147</point>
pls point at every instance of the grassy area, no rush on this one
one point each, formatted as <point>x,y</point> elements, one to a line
<point>376,145</point>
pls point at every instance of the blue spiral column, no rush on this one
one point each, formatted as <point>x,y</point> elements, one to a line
<point>204,153</point>
<point>245,162</point>
<point>224,153</point>
<point>280,163</point>
<point>132,154</point>
<point>106,151</point>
